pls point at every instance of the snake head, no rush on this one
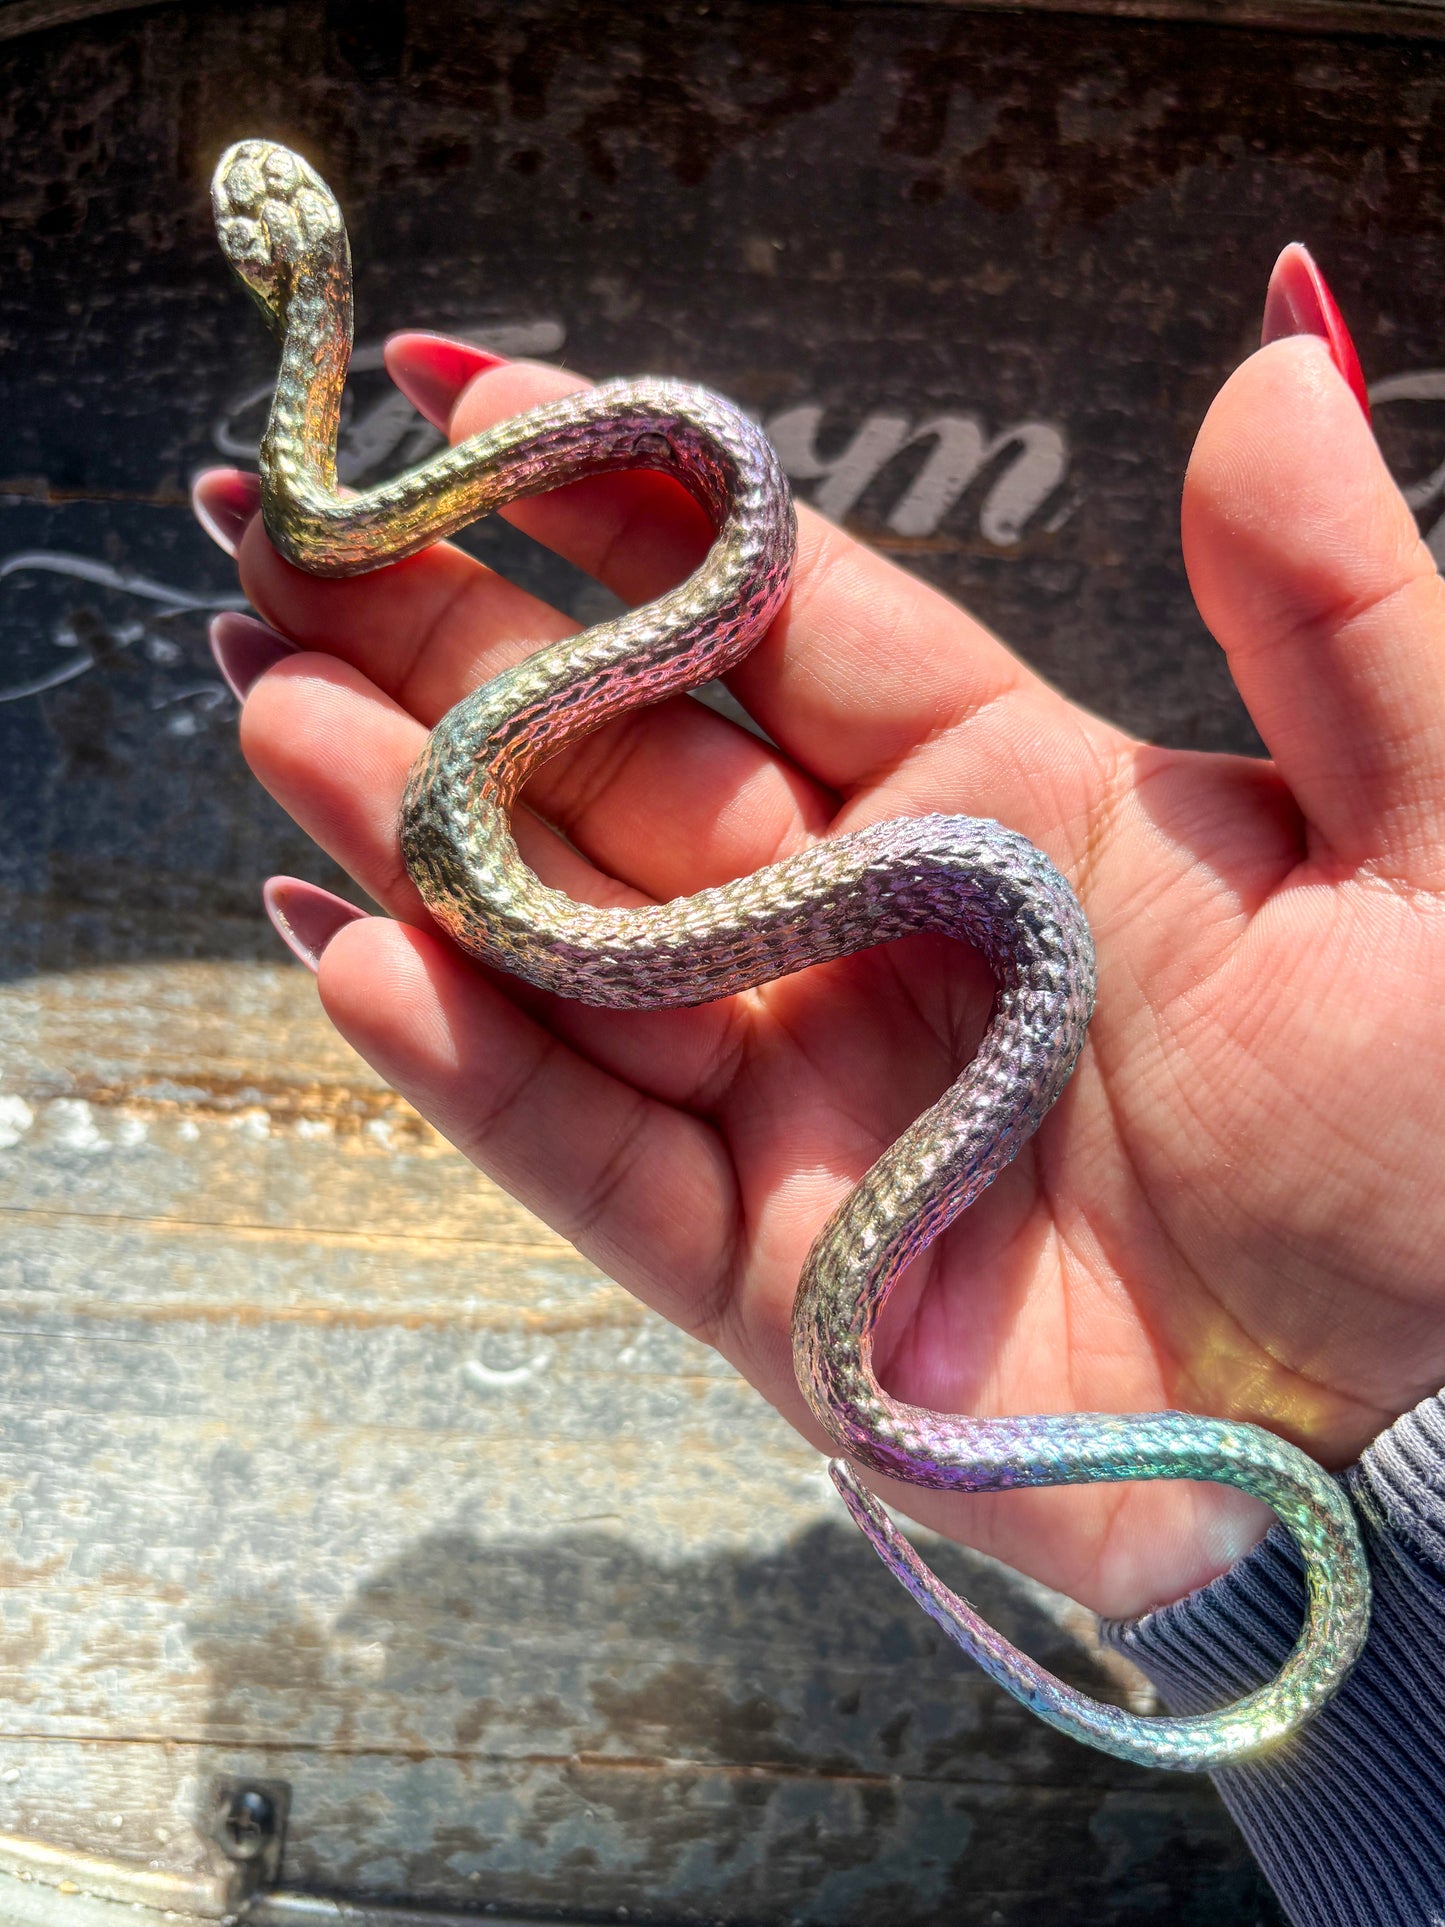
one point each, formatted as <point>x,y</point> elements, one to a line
<point>273,211</point>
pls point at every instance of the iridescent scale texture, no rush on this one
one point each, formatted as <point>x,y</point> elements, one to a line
<point>974,880</point>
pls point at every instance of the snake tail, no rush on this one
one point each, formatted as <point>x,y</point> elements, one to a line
<point>971,879</point>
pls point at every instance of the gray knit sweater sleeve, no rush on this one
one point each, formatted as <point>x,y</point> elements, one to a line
<point>1347,1819</point>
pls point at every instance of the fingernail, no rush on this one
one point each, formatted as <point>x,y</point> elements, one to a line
<point>244,650</point>
<point>305,917</point>
<point>432,370</point>
<point>1299,302</point>
<point>224,500</point>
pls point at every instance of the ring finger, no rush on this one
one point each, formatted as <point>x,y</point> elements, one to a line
<point>335,753</point>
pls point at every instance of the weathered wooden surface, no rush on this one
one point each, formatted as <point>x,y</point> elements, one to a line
<point>269,1353</point>
<point>267,1348</point>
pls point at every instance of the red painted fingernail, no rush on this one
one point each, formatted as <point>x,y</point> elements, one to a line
<point>432,370</point>
<point>244,650</point>
<point>224,500</point>
<point>306,918</point>
<point>1299,302</point>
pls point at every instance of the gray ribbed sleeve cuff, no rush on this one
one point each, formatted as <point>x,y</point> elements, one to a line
<point>1348,1818</point>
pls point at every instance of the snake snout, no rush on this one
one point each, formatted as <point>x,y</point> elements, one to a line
<point>271,209</point>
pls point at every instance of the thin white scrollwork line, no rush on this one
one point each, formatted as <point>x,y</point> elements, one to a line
<point>85,568</point>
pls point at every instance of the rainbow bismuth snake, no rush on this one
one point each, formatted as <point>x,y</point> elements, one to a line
<point>283,234</point>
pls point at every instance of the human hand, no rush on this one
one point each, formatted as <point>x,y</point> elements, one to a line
<point>1233,1208</point>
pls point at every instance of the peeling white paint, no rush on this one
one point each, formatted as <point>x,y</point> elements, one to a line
<point>489,1378</point>
<point>16,1118</point>
<point>72,1125</point>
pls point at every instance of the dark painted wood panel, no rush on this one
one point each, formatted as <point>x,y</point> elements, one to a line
<point>857,220</point>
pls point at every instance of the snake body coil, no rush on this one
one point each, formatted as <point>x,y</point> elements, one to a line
<point>283,233</point>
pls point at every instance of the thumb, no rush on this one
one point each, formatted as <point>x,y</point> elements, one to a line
<point>1308,568</point>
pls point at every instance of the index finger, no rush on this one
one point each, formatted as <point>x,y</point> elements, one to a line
<point>814,684</point>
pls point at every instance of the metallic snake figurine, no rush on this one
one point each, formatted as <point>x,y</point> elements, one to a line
<point>283,234</point>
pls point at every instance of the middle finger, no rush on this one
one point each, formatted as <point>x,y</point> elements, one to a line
<point>669,799</point>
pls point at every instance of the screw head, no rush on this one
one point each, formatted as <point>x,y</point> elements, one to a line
<point>248,1823</point>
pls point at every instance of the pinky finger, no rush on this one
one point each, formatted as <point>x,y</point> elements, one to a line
<point>645,1191</point>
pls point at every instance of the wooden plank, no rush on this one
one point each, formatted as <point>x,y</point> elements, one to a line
<point>343,1564</point>
<point>224,1101</point>
<point>886,1851</point>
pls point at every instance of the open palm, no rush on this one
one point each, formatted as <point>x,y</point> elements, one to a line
<point>1233,1209</point>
